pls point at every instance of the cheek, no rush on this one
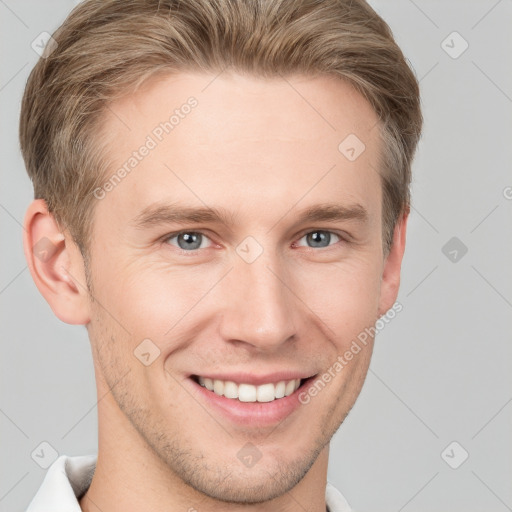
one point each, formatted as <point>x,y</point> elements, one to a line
<point>344,295</point>
<point>148,300</point>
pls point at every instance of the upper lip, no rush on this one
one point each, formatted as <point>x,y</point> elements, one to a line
<point>256,380</point>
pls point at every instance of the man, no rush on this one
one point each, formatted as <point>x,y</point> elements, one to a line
<point>221,193</point>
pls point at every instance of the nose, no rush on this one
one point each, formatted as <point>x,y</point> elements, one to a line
<point>259,308</point>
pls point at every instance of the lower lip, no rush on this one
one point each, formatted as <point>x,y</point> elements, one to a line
<point>255,414</point>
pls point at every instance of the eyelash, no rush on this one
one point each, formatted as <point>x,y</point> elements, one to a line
<point>194,252</point>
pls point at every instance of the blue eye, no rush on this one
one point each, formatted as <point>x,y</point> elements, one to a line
<point>191,241</point>
<point>320,238</point>
<point>188,240</point>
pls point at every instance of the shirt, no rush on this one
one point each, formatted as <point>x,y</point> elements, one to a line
<point>68,478</point>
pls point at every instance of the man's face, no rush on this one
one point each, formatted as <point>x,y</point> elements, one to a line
<point>260,297</point>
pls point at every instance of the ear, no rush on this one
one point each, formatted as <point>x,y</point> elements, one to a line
<point>390,281</point>
<point>56,265</point>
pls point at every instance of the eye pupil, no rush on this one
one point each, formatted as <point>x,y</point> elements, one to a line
<point>319,238</point>
<point>191,240</point>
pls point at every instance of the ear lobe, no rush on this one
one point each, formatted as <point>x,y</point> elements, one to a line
<point>56,265</point>
<point>390,282</point>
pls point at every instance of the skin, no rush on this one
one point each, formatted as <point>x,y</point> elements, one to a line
<point>264,150</point>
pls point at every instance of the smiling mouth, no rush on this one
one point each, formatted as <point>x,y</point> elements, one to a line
<point>243,392</point>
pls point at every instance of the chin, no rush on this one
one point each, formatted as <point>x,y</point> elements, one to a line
<point>253,485</point>
<point>224,480</point>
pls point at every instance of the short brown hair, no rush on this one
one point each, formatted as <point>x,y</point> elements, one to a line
<point>106,48</point>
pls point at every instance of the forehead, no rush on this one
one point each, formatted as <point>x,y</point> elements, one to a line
<point>232,139</point>
<point>327,100</point>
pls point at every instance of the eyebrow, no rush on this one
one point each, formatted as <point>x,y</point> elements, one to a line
<point>165,213</point>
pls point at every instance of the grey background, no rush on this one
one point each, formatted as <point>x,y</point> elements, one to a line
<point>440,371</point>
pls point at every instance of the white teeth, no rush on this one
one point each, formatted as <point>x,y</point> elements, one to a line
<point>280,388</point>
<point>249,392</point>
<point>290,387</point>
<point>230,389</point>
<point>266,393</point>
<point>218,386</point>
